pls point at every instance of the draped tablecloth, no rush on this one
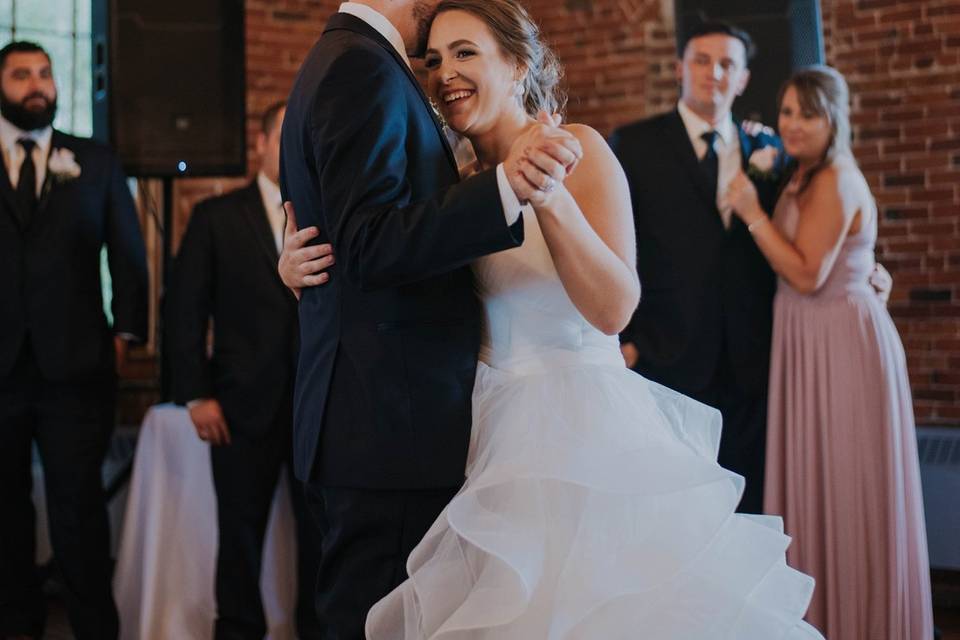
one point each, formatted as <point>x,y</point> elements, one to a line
<point>164,579</point>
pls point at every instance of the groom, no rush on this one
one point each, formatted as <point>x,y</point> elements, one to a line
<point>389,345</point>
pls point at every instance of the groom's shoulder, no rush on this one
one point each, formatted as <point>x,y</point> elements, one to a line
<point>340,44</point>
<point>344,56</point>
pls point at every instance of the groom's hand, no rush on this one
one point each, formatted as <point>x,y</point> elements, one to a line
<point>541,158</point>
<point>302,266</point>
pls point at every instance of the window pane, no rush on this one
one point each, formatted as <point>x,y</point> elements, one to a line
<point>6,19</point>
<point>83,88</point>
<point>84,15</point>
<point>53,16</point>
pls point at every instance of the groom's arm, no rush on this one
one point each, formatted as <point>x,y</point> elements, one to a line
<point>360,137</point>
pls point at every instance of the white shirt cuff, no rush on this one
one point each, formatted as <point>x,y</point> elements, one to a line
<point>192,403</point>
<point>511,204</point>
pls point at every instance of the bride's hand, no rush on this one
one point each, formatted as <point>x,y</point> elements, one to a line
<point>301,265</point>
<point>540,159</point>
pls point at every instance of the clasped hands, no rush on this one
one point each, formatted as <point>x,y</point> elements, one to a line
<point>538,162</point>
<point>541,159</point>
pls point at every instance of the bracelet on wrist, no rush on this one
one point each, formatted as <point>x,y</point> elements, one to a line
<point>756,224</point>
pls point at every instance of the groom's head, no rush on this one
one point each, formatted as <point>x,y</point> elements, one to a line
<point>28,93</point>
<point>713,68</point>
<point>411,18</point>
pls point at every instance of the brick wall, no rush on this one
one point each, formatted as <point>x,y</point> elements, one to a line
<point>903,63</point>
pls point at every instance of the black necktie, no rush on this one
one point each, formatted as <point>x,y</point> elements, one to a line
<point>27,183</point>
<point>709,163</point>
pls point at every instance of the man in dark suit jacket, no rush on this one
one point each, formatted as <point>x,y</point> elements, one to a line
<point>62,199</point>
<point>704,321</point>
<point>240,398</point>
<point>388,346</point>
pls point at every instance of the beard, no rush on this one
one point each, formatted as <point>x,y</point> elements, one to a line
<point>423,13</point>
<point>25,118</point>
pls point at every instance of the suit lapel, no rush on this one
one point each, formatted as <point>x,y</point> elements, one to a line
<point>56,142</point>
<point>352,23</point>
<point>746,147</point>
<point>9,197</point>
<point>256,217</point>
<point>678,140</point>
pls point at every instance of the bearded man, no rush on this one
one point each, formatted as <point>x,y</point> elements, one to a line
<point>62,199</point>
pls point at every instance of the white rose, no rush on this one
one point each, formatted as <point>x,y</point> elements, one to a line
<point>762,159</point>
<point>63,164</point>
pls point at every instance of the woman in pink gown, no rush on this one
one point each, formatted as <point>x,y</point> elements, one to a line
<point>842,462</point>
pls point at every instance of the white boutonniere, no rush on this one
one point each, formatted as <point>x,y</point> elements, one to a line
<point>63,165</point>
<point>762,162</point>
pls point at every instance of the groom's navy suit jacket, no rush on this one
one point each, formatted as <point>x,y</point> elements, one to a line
<point>707,291</point>
<point>388,347</point>
<point>50,289</point>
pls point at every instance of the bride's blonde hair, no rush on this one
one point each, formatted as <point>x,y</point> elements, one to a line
<point>519,38</point>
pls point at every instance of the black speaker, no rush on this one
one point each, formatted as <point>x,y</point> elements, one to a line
<point>788,35</point>
<point>169,85</point>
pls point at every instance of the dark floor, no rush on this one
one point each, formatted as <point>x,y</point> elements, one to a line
<point>949,622</point>
<point>947,619</point>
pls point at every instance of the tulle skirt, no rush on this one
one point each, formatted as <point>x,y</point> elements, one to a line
<point>594,509</point>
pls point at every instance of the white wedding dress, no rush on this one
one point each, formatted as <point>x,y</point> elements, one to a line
<point>593,508</point>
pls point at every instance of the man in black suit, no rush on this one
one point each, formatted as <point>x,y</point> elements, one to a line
<point>62,199</point>
<point>389,345</point>
<point>705,317</point>
<point>240,398</point>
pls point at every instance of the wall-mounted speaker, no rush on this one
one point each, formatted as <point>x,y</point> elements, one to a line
<point>169,85</point>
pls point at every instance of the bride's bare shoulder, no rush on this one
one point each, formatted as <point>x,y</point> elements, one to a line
<point>595,147</point>
<point>586,134</point>
<point>599,162</point>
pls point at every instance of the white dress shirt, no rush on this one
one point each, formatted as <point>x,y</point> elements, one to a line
<point>379,22</point>
<point>273,205</point>
<point>509,200</point>
<point>13,154</point>
<point>726,144</point>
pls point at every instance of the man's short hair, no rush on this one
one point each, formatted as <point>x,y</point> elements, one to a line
<point>271,116</point>
<point>709,27</point>
<point>20,46</point>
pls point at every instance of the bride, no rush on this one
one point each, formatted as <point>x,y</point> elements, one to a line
<point>593,506</point>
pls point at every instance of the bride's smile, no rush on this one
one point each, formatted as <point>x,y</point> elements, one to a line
<point>468,74</point>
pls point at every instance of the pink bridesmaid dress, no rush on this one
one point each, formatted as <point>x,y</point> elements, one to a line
<point>842,463</point>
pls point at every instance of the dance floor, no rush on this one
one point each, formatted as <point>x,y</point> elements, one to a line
<point>948,620</point>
